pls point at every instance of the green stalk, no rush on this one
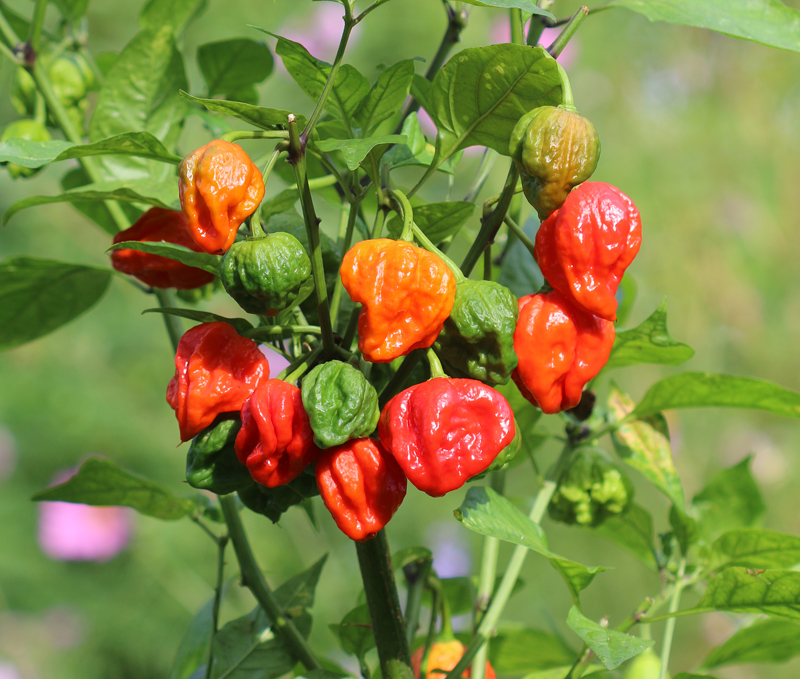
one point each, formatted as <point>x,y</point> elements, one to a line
<point>426,243</point>
<point>417,584</point>
<point>375,562</point>
<point>270,332</point>
<point>236,135</point>
<point>520,234</point>
<point>569,30</point>
<point>395,384</point>
<point>8,32</point>
<point>222,542</point>
<point>669,628</point>
<point>10,55</point>
<point>344,245</point>
<point>253,579</point>
<point>297,369</point>
<point>369,9</point>
<point>490,157</point>
<point>166,300</point>
<point>517,38</point>
<point>36,25</point>
<point>352,328</point>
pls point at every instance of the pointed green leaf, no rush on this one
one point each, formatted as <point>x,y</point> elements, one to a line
<point>756,548</point>
<point>101,483</point>
<point>385,98</point>
<point>741,590</point>
<point>438,221</point>
<point>233,65</point>
<point>28,153</point>
<point>519,650</point>
<point>355,150</point>
<point>355,632</point>
<point>97,211</point>
<point>612,648</point>
<point>633,530</point>
<point>176,14</point>
<point>179,253</point>
<point>265,118</point>
<point>280,202</point>
<point>766,641</point>
<point>525,5</point>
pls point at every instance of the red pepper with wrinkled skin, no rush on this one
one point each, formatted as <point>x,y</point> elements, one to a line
<point>445,431</point>
<point>584,247</point>
<point>159,225</point>
<point>560,348</point>
<point>276,442</point>
<point>361,485</point>
<point>216,370</point>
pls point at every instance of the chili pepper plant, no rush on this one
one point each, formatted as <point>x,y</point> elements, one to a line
<point>410,361</point>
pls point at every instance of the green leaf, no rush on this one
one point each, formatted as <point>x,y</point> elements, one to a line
<point>174,14</point>
<point>403,557</point>
<point>30,153</point>
<point>612,648</point>
<point>265,118</point>
<point>147,191</point>
<point>140,94</point>
<point>649,343</point>
<point>684,527</point>
<point>280,202</point>
<point>241,325</point>
<point>686,675</point>
<point>73,10</point>
<point>756,548</point>
<point>193,650</point>
<point>769,22</point>
<point>349,88</point>
<point>355,150</point>
<point>355,632</point>
<point>488,513</point>
<point>644,445</point>
<point>481,93</point>
<point>520,273</point>
<point>525,5</point>
<point>438,221</point>
<point>232,65</point>
<point>179,253</point>
<point>563,671</point>
<point>521,650</point>
<point>101,483</point>
<point>385,98</point>
<point>741,590</point>
<point>38,296</point>
<point>764,641</point>
<point>730,500</point>
<point>96,211</point>
<point>297,593</point>
<point>19,24</point>
<point>632,530</point>
<point>699,390</point>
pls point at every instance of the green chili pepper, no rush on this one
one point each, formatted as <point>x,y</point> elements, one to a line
<point>273,502</point>
<point>211,463</point>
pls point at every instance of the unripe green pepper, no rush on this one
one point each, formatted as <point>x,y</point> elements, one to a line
<point>477,341</point>
<point>211,463</point>
<point>265,274</point>
<point>646,665</point>
<point>24,129</point>
<point>273,502</point>
<point>555,149</point>
<point>506,455</point>
<point>340,403</point>
<point>590,490</point>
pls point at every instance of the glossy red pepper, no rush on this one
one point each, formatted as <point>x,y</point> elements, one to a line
<point>159,225</point>
<point>445,431</point>
<point>276,441</point>
<point>585,246</point>
<point>216,370</point>
<point>560,348</point>
<point>361,485</point>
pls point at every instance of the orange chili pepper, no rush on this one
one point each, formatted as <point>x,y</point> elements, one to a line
<point>444,655</point>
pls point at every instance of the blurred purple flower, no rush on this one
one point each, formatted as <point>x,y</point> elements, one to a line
<point>277,362</point>
<point>76,532</point>
<point>451,555</point>
<point>321,30</point>
<point>501,32</point>
<point>8,671</point>
<point>8,455</point>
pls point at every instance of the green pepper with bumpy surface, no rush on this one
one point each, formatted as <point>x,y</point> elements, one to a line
<point>24,129</point>
<point>273,502</point>
<point>555,150</point>
<point>265,275</point>
<point>590,490</point>
<point>340,403</point>
<point>477,341</point>
<point>211,463</point>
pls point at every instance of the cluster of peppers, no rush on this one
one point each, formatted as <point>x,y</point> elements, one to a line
<point>276,443</point>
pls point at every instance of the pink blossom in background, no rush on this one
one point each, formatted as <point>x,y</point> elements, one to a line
<point>8,455</point>
<point>8,671</point>
<point>277,362</point>
<point>76,532</point>
<point>427,124</point>
<point>321,30</point>
<point>501,32</point>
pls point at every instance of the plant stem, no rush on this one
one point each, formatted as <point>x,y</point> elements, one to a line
<point>490,157</point>
<point>236,135</point>
<point>669,628</point>
<point>222,542</point>
<point>417,574</point>
<point>344,245</point>
<point>375,562</point>
<point>8,32</point>
<point>369,9</point>
<point>352,328</point>
<point>10,54</point>
<point>395,384</point>
<point>517,38</point>
<point>173,323</point>
<point>267,332</point>
<point>253,579</point>
<point>569,30</point>
<point>520,234</point>
<point>426,243</point>
<point>36,25</point>
<point>297,369</point>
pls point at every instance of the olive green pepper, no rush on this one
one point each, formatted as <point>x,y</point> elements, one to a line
<point>477,341</point>
<point>265,275</point>
<point>24,129</point>
<point>211,463</point>
<point>341,404</point>
<point>505,456</point>
<point>273,502</point>
<point>555,149</point>
<point>590,490</point>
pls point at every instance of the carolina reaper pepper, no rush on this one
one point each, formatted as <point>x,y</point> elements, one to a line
<point>560,348</point>
<point>361,485</point>
<point>444,431</point>
<point>584,248</point>
<point>211,463</point>
<point>216,370</point>
<point>406,293</point>
<point>276,441</point>
<point>341,404</point>
<point>159,225</point>
<point>265,275</point>
<point>444,655</point>
<point>219,188</point>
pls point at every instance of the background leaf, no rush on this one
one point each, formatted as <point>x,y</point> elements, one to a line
<point>756,548</point>
<point>612,648</point>
<point>633,530</point>
<point>520,273</point>
<point>355,632</point>
<point>438,221</point>
<point>355,150</point>
<point>265,118</point>
<point>175,14</point>
<point>385,98</point>
<point>232,65</point>
<point>764,641</point>
<point>740,590</point>
<point>179,253</point>
<point>521,650</point>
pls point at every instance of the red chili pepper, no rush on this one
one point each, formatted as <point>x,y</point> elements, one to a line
<point>216,370</point>
<point>159,225</point>
<point>361,485</point>
<point>445,431</point>
<point>584,247</point>
<point>276,441</point>
<point>560,348</point>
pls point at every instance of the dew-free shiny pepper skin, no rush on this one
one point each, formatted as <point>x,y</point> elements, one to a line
<point>560,348</point>
<point>445,431</point>
<point>584,248</point>
<point>361,485</point>
<point>159,225</point>
<point>216,370</point>
<point>219,188</point>
<point>444,655</point>
<point>406,292</point>
<point>275,441</point>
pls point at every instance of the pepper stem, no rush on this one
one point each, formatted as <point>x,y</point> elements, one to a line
<point>569,30</point>
<point>436,364</point>
<point>567,101</point>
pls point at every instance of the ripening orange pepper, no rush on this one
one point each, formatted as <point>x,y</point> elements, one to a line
<point>406,292</point>
<point>444,655</point>
<point>584,247</point>
<point>219,188</point>
<point>560,348</point>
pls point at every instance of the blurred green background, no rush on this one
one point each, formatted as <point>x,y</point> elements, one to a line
<point>701,130</point>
